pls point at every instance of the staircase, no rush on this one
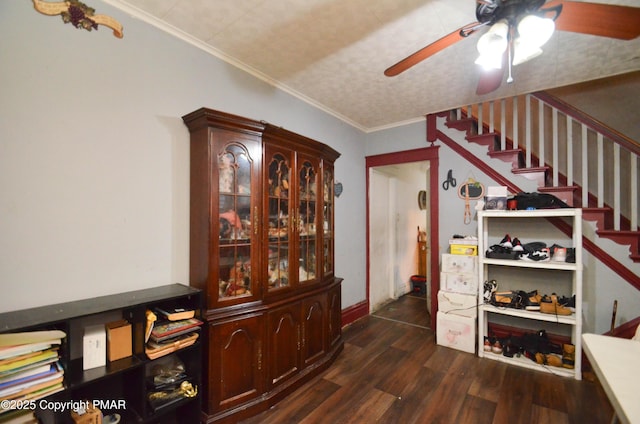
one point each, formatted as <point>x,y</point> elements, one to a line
<point>567,154</point>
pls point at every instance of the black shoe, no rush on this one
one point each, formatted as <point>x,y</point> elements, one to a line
<point>531,300</point>
<point>507,299</point>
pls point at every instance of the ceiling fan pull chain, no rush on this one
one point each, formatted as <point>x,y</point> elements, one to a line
<point>510,46</point>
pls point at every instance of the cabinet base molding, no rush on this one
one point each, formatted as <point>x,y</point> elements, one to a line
<point>267,400</point>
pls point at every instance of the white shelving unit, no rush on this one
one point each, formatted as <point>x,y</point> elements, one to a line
<point>524,225</point>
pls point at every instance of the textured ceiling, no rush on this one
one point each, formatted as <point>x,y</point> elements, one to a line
<point>332,53</point>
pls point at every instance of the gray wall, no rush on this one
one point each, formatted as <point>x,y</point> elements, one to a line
<point>94,157</point>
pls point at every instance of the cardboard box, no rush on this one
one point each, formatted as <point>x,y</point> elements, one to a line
<point>463,249</point>
<point>457,332</point>
<point>469,241</point>
<point>496,198</point>
<point>459,263</point>
<point>94,347</point>
<point>458,303</point>
<point>91,415</point>
<point>118,340</point>
<point>459,282</point>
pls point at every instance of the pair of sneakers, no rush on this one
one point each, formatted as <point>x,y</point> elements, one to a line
<point>515,245</point>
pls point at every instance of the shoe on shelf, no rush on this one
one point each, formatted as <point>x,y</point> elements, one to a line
<point>517,246</point>
<point>569,302</point>
<point>496,347</point>
<point>541,255</point>
<point>531,300</point>
<point>559,255</point>
<point>507,299</point>
<point>506,242</point>
<point>487,344</point>
<point>548,359</point>
<point>568,355</point>
<point>490,287</point>
<point>550,305</point>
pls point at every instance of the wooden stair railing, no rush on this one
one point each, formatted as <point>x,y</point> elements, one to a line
<point>533,166</point>
<point>564,150</point>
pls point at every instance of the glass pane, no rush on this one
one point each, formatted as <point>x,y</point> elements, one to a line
<point>327,222</point>
<point>235,218</point>
<point>235,271</point>
<point>307,201</point>
<point>278,270</point>
<point>278,222</point>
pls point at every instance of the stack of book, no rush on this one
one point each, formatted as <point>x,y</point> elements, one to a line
<point>170,330</point>
<point>29,367</point>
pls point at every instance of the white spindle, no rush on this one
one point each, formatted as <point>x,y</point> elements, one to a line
<point>480,118</point>
<point>527,133</point>
<point>616,187</point>
<point>503,124</point>
<point>585,167</point>
<point>554,147</point>
<point>541,133</point>
<point>491,113</point>
<point>569,150</point>
<point>633,165</point>
<point>600,169</point>
<point>515,123</point>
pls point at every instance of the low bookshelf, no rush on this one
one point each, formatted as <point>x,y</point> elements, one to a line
<point>135,387</point>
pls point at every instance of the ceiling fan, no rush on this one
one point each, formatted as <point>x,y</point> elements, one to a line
<point>518,28</point>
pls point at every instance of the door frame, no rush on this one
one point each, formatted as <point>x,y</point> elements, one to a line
<point>430,154</point>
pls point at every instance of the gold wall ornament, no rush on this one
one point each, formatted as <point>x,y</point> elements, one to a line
<point>78,14</point>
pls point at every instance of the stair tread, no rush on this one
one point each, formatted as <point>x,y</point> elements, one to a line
<point>531,169</point>
<point>619,232</point>
<point>558,188</point>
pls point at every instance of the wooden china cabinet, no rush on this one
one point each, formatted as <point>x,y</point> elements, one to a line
<point>262,250</point>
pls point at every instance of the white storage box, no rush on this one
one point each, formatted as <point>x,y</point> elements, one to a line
<point>94,347</point>
<point>459,263</point>
<point>459,283</point>
<point>458,303</point>
<point>456,332</point>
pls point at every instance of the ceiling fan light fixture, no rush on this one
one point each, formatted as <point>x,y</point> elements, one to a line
<point>523,51</point>
<point>535,30</point>
<point>489,61</point>
<point>492,45</point>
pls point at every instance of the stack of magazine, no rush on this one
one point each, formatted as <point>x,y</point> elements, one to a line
<point>29,367</point>
<point>170,330</point>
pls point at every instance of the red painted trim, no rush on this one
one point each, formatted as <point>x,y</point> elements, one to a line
<point>483,166</point>
<point>355,312</point>
<point>587,244</point>
<point>594,124</point>
<point>626,330</point>
<point>430,154</point>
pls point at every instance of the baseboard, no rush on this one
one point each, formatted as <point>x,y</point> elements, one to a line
<point>355,312</point>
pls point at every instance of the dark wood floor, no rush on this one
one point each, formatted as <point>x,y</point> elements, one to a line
<point>391,371</point>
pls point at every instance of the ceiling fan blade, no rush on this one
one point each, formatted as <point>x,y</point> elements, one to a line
<point>430,50</point>
<point>605,20</point>
<point>491,79</point>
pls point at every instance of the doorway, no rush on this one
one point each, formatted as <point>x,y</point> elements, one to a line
<point>394,219</point>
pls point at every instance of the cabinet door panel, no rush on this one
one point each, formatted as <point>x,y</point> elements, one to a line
<point>278,219</point>
<point>327,220</point>
<point>335,315</point>
<point>285,341</point>
<point>307,218</point>
<point>235,362</point>
<point>237,229</point>
<point>314,328</point>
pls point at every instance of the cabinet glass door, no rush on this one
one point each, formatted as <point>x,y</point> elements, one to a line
<point>327,220</point>
<point>236,218</point>
<point>279,223</point>
<point>307,219</point>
